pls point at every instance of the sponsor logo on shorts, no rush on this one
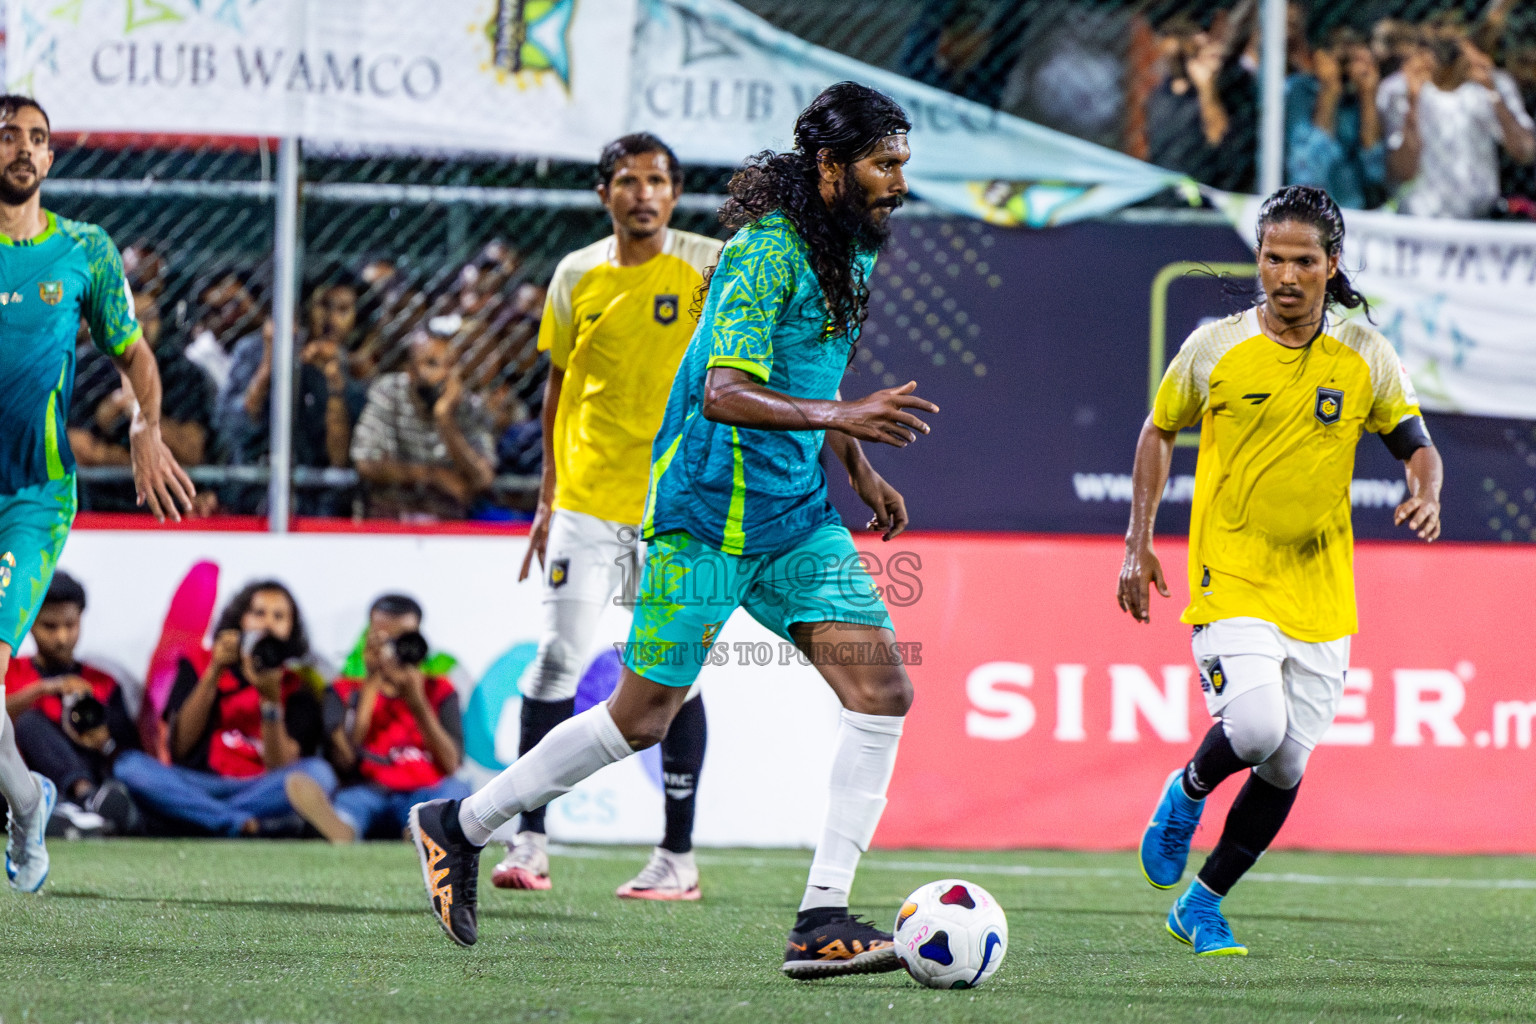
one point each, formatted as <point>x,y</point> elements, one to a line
<point>665,310</point>
<point>1330,406</point>
<point>711,630</point>
<point>559,572</point>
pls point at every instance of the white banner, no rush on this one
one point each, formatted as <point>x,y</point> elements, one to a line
<point>1456,298</point>
<point>771,727</point>
<point>445,74</point>
<point>556,78</point>
<point>719,83</point>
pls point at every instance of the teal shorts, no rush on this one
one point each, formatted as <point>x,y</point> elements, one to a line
<point>34,524</point>
<point>688,590</point>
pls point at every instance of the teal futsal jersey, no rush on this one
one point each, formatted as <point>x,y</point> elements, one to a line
<point>47,284</point>
<point>742,491</point>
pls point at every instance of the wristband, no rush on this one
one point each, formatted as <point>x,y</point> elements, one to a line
<point>271,712</point>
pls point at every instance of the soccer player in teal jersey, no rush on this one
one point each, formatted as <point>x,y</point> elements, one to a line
<point>53,272</point>
<point>738,517</point>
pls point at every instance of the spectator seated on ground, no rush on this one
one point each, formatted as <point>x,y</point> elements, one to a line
<point>71,720</point>
<point>103,407</point>
<point>423,444</point>
<point>396,736</point>
<point>238,726</point>
<point>1446,114</point>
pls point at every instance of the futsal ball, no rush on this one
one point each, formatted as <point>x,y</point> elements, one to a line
<point>951,934</point>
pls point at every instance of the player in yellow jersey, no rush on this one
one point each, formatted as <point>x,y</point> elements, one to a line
<point>615,325</point>
<point>1282,393</point>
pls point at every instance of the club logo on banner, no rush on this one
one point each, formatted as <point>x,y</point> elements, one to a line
<point>536,76</point>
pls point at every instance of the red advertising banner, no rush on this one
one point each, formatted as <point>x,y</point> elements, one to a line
<point>1046,717</point>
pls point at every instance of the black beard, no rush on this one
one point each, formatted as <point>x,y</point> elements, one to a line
<point>855,218</point>
<point>10,195</point>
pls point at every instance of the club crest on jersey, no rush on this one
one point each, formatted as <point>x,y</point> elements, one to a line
<point>51,292</point>
<point>559,572</point>
<point>665,310</point>
<point>1330,406</point>
<point>1215,678</point>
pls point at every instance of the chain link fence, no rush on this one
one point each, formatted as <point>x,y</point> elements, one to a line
<point>394,247</point>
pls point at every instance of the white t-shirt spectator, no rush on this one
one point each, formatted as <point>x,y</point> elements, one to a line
<point>1459,135</point>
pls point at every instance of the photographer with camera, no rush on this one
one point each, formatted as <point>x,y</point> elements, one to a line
<point>239,726</point>
<point>71,721</point>
<point>395,734</point>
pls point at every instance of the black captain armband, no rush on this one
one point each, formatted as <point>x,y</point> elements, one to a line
<point>1406,438</point>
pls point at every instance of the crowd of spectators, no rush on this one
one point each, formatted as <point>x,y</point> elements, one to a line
<point>1428,116</point>
<point>428,395</point>
<point>1416,116</point>
<point>254,739</point>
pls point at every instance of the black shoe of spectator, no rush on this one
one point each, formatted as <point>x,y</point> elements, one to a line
<point>112,801</point>
<point>284,826</point>
<point>71,821</point>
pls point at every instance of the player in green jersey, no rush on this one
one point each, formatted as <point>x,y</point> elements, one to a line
<point>738,517</point>
<point>53,272</point>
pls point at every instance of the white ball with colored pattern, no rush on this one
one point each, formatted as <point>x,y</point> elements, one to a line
<point>951,934</point>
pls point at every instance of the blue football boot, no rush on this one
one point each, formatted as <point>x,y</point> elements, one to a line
<point>1165,843</point>
<point>1196,920</point>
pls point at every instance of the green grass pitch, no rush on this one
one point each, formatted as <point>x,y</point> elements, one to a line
<point>231,931</point>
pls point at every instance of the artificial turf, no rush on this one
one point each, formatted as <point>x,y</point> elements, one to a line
<point>268,931</point>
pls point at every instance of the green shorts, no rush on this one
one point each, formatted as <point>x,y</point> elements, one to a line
<point>688,590</point>
<point>34,524</point>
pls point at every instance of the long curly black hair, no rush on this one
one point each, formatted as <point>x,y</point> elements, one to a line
<point>840,126</point>
<point>1305,204</point>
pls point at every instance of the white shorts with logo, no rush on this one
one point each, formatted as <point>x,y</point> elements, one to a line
<point>589,565</point>
<point>1311,673</point>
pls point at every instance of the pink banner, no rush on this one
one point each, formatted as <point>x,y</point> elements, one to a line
<point>1046,717</point>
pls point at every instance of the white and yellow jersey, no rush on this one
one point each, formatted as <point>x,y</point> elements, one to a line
<point>618,333</point>
<point>1269,534</point>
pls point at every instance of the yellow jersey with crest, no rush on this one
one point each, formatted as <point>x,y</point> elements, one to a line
<point>619,334</point>
<point>1269,534</point>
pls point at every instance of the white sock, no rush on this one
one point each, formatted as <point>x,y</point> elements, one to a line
<point>571,751</point>
<point>861,771</point>
<point>17,785</point>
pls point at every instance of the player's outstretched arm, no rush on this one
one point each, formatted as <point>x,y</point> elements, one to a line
<point>889,507</point>
<point>1154,454</point>
<point>159,479</point>
<point>735,397</point>
<point>1421,509</point>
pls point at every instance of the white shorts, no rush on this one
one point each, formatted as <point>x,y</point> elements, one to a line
<point>589,565</point>
<point>1311,673</point>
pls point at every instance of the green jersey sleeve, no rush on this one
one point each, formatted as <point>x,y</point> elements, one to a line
<point>108,301</point>
<point>751,287</point>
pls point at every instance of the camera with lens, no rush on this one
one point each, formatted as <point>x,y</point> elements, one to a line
<point>409,648</point>
<point>266,651</point>
<point>85,712</point>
